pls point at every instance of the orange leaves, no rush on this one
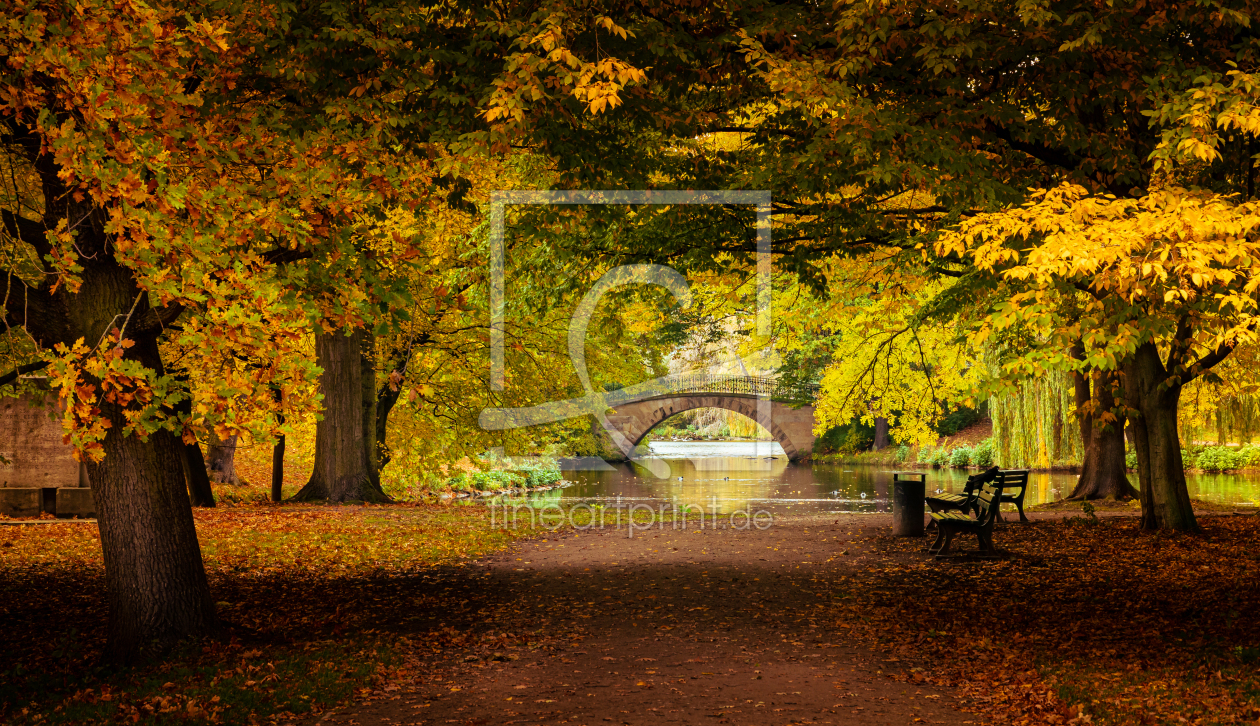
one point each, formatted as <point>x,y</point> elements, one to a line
<point>87,378</point>
<point>545,67</point>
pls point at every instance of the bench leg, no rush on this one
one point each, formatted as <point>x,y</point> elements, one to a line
<point>1019,504</point>
<point>940,538</point>
<point>949,540</point>
<point>986,542</point>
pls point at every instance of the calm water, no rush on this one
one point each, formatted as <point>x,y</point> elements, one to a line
<point>729,476</point>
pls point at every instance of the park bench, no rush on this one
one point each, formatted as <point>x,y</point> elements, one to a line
<point>1014,486</point>
<point>952,523</point>
<point>965,502</point>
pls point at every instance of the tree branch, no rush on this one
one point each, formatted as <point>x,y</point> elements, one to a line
<point>1048,154</point>
<point>20,371</point>
<point>159,318</point>
<point>747,130</point>
<point>29,308</point>
<point>1180,343</point>
<point>28,231</point>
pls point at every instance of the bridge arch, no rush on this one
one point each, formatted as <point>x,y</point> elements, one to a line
<point>792,428</point>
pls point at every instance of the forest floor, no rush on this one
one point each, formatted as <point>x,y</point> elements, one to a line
<point>389,615</point>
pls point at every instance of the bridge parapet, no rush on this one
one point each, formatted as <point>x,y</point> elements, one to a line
<point>719,384</point>
<point>790,425</point>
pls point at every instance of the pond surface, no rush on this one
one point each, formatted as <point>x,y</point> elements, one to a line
<point>725,477</point>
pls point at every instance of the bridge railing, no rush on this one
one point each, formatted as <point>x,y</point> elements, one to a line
<point>760,386</point>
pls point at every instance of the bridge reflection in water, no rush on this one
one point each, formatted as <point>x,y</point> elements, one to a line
<point>726,477</point>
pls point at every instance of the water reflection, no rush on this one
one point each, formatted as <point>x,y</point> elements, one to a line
<point>725,477</point>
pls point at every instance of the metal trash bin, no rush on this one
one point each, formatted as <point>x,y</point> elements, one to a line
<point>909,497</point>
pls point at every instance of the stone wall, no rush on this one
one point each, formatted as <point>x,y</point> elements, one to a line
<point>31,440</point>
<point>39,474</point>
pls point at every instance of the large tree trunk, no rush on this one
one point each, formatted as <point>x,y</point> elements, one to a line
<point>1150,392</point>
<point>367,398</point>
<point>277,469</point>
<point>345,438</point>
<point>158,594</point>
<point>157,589</point>
<point>194,464</point>
<point>222,459</point>
<point>277,466</point>
<point>385,401</point>
<point>1103,471</point>
<point>199,490</point>
<point>881,433</point>
<point>277,452</point>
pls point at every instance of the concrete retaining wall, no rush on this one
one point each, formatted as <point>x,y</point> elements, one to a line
<point>32,502</point>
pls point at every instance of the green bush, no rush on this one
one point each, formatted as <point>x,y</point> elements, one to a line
<point>925,455</point>
<point>1189,458</point>
<point>960,418</point>
<point>1250,454</point>
<point>960,457</point>
<point>536,475</point>
<point>496,479</point>
<point>983,454</point>
<point>528,475</point>
<point>940,457</point>
<point>1221,458</point>
<point>860,438</point>
<point>903,454</point>
<point>1130,459</point>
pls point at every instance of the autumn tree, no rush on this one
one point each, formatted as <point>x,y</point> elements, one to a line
<point>194,177</point>
<point>1169,289</point>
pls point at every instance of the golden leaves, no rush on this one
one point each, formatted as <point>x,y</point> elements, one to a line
<point>1172,246</point>
<point>891,362</point>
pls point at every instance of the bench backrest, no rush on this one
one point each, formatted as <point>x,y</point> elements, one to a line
<point>1013,478</point>
<point>990,499</point>
<point>976,481</point>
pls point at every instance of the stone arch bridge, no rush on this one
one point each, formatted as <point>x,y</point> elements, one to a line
<point>786,411</point>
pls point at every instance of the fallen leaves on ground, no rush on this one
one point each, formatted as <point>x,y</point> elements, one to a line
<point>1089,621</point>
<point>311,587</point>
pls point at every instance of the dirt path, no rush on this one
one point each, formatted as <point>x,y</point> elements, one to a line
<point>670,626</point>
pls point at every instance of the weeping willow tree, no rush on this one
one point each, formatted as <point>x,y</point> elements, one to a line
<point>1225,404</point>
<point>1034,427</point>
